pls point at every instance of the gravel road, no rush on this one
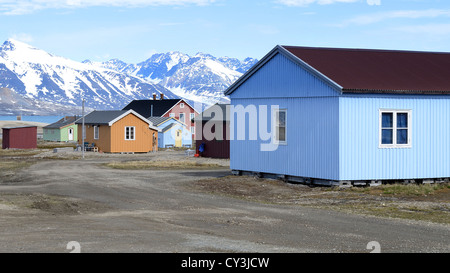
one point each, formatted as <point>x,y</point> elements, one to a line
<point>54,202</point>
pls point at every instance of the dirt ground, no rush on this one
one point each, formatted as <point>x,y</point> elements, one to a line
<point>48,200</point>
<point>413,204</point>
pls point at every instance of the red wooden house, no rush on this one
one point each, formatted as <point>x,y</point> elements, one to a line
<point>213,132</point>
<point>20,137</point>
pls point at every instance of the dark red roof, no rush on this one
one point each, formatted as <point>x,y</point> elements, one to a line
<point>380,71</point>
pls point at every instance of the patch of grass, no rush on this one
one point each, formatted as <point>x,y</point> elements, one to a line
<point>142,165</point>
<point>435,213</point>
<point>429,203</point>
<point>53,145</point>
<point>63,157</point>
<point>18,152</point>
<point>406,191</point>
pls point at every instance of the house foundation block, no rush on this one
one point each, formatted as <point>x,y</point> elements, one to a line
<point>375,183</point>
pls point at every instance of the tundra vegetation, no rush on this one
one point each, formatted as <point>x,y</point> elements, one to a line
<point>426,202</point>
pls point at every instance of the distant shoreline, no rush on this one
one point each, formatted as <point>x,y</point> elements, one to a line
<point>42,119</point>
<point>18,123</point>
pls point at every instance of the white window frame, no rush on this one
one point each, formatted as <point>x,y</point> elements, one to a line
<point>394,113</point>
<point>276,126</point>
<point>134,133</point>
<point>181,105</point>
<point>193,130</point>
<point>96,130</point>
<point>172,115</point>
<point>184,117</point>
<point>192,115</point>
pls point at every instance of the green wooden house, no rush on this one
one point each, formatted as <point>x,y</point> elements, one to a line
<point>64,129</point>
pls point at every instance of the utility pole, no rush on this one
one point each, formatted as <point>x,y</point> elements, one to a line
<point>82,129</point>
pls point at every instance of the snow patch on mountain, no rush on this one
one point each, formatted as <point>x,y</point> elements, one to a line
<point>201,77</point>
<point>36,74</point>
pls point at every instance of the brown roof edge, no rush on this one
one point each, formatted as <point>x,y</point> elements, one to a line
<point>393,92</point>
<point>364,49</point>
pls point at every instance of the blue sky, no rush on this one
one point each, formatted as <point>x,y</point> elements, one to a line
<point>132,30</point>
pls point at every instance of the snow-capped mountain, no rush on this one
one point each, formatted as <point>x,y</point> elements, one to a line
<point>12,103</point>
<point>40,76</point>
<point>202,77</point>
<point>36,74</point>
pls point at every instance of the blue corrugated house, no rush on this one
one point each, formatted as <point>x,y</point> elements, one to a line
<point>343,116</point>
<point>173,133</point>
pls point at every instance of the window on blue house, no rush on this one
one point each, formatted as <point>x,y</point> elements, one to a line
<point>395,129</point>
<point>280,126</point>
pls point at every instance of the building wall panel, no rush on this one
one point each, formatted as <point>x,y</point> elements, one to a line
<point>65,133</point>
<point>143,142</point>
<point>360,155</point>
<point>20,138</point>
<point>280,77</point>
<point>312,139</point>
<point>217,147</point>
<point>103,142</point>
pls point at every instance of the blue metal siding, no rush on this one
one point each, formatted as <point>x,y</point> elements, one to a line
<point>360,155</point>
<point>312,140</point>
<point>312,122</point>
<point>334,136</point>
<point>280,77</point>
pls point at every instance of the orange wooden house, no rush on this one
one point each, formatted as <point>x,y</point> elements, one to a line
<point>119,132</point>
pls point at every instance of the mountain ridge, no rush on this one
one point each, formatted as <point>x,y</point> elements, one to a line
<point>41,76</point>
<point>201,77</point>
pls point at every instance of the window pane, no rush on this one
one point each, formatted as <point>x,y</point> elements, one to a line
<point>402,136</point>
<point>402,120</point>
<point>282,118</point>
<point>131,133</point>
<point>387,120</point>
<point>387,136</point>
<point>281,133</point>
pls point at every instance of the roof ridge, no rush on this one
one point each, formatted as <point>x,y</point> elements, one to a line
<point>366,49</point>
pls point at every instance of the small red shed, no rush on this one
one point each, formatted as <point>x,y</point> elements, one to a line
<point>20,137</point>
<point>215,122</point>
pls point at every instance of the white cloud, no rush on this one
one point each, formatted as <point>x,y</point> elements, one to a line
<point>401,14</point>
<point>374,2</point>
<point>302,3</point>
<point>18,7</point>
